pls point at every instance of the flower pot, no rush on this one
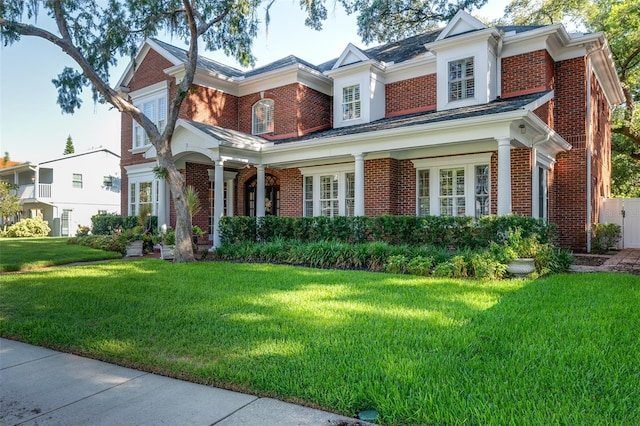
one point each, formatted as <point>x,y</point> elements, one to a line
<point>521,267</point>
<point>167,251</point>
<point>134,248</point>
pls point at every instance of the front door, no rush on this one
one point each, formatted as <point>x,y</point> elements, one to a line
<point>271,196</point>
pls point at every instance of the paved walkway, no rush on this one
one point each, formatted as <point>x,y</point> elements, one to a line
<point>627,260</point>
<point>39,386</point>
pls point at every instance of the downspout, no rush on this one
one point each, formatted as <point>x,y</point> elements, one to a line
<point>499,65</point>
<point>589,141</point>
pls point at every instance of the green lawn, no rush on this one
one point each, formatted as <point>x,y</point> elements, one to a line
<point>559,350</point>
<point>22,254</point>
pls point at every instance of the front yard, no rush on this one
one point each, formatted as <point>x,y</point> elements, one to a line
<point>557,350</point>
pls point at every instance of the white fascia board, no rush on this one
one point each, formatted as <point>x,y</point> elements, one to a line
<point>553,38</point>
<point>411,137</point>
<point>605,71</point>
<point>368,66</point>
<point>135,169</point>
<point>419,67</point>
<point>532,106</point>
<point>149,90</point>
<point>463,39</point>
<point>350,50</point>
<point>292,74</point>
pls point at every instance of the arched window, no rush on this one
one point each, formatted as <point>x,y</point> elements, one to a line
<point>262,117</point>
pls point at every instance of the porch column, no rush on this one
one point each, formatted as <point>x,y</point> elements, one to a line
<point>230,197</point>
<point>218,202</point>
<point>36,183</point>
<point>163,217</point>
<point>260,191</point>
<point>358,201</point>
<point>504,176</point>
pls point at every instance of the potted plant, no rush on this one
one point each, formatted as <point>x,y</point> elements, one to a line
<point>168,245</point>
<point>197,232</point>
<point>134,241</point>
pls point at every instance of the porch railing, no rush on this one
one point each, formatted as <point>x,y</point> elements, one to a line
<point>28,191</point>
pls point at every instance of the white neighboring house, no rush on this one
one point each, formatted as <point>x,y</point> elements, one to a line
<point>68,190</point>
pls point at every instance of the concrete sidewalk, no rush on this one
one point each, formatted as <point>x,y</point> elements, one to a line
<point>39,386</point>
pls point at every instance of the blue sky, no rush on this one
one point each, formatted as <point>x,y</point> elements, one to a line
<point>32,127</point>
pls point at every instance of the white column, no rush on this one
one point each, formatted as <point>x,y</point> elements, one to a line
<point>504,176</point>
<point>535,187</point>
<point>260,191</point>
<point>358,208</point>
<point>163,205</point>
<point>36,183</point>
<point>230,197</point>
<point>218,202</point>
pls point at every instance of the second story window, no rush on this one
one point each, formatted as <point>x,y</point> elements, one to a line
<point>351,102</point>
<point>461,79</point>
<point>262,117</point>
<point>156,110</point>
<point>76,181</point>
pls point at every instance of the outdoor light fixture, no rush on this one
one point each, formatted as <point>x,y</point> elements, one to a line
<point>33,178</point>
<point>523,130</point>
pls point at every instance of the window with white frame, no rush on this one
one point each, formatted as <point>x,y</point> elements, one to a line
<point>351,102</point>
<point>328,193</point>
<point>454,186</point>
<point>143,194</point>
<point>152,101</point>
<point>262,117</point>
<point>424,202</point>
<point>76,181</point>
<point>543,193</point>
<point>461,79</point>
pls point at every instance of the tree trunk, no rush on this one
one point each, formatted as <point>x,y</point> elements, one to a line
<point>177,185</point>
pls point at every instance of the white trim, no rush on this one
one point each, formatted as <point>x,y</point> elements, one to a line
<point>458,160</point>
<point>151,90</point>
<point>333,168</point>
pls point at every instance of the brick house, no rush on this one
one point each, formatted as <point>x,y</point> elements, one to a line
<point>465,120</point>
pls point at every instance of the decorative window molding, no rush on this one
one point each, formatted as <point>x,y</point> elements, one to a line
<point>329,190</point>
<point>144,189</point>
<point>262,117</point>
<point>461,79</point>
<point>453,186</point>
<point>152,101</point>
<point>351,105</point>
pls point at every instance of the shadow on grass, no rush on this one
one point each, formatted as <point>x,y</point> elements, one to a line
<point>419,350</point>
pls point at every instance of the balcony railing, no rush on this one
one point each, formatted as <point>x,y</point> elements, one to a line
<point>26,192</point>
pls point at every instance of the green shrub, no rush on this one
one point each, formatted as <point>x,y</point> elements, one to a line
<point>397,264</point>
<point>420,265</point>
<point>605,236</point>
<point>32,227</point>
<point>101,242</point>
<point>485,267</point>
<point>443,270</point>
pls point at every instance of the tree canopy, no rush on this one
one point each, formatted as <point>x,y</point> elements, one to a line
<point>96,33</point>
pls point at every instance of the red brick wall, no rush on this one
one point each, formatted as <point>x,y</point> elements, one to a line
<point>601,148</point>
<point>570,197</point>
<point>521,181</point>
<point>298,110</point>
<point>198,177</point>
<point>411,95</point>
<point>406,188</point>
<point>527,73</point>
<point>210,106</point>
<point>545,113</point>
<point>380,186</point>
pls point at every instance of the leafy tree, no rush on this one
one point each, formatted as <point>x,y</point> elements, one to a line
<point>68,148</point>
<point>95,33</point>
<point>9,202</point>
<point>619,20</point>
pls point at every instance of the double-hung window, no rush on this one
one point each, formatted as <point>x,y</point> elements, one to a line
<point>461,79</point>
<point>144,193</point>
<point>453,186</point>
<point>351,102</point>
<point>76,181</point>
<point>262,117</point>
<point>152,101</point>
<point>328,192</point>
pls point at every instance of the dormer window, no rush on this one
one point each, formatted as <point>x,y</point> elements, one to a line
<point>351,102</point>
<point>461,79</point>
<point>262,117</point>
